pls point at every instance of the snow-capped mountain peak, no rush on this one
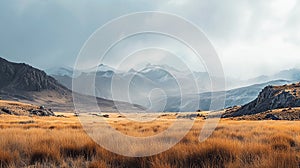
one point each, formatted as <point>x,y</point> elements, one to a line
<point>61,71</point>
<point>103,68</point>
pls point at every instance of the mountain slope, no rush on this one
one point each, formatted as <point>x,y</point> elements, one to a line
<point>22,77</point>
<point>271,97</point>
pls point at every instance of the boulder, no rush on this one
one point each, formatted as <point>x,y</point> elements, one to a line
<point>271,117</point>
<point>5,110</point>
<point>42,112</point>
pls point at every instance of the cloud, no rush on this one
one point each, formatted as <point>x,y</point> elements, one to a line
<point>252,37</point>
<point>42,32</point>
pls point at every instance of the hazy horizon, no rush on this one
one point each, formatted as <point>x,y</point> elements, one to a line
<point>144,66</point>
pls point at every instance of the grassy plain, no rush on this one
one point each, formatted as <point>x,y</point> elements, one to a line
<point>62,142</point>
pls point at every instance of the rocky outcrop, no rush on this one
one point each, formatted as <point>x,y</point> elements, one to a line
<point>42,111</point>
<point>23,109</point>
<point>271,97</point>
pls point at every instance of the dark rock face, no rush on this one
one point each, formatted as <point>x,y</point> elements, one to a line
<point>6,111</point>
<point>42,112</point>
<point>22,77</point>
<point>271,97</point>
<point>271,117</point>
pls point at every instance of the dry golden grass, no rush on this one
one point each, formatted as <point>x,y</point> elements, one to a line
<point>61,142</point>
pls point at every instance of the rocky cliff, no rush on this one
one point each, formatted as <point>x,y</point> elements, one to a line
<point>271,97</point>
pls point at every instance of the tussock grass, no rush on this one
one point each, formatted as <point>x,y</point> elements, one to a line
<point>61,142</point>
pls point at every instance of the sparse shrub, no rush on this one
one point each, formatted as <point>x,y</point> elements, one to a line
<point>106,116</point>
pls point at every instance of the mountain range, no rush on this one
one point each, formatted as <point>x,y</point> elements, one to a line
<point>234,97</point>
<point>24,83</point>
<point>140,83</point>
<point>173,82</point>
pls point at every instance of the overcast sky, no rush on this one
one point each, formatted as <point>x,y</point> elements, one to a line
<point>251,37</point>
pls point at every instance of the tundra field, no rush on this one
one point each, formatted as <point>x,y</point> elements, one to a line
<point>61,142</point>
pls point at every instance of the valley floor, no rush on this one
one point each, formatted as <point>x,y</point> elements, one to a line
<point>62,142</point>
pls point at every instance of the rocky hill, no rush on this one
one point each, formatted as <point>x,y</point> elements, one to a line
<point>24,83</point>
<point>22,77</point>
<point>270,98</point>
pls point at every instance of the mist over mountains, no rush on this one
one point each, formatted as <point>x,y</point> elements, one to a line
<point>162,87</point>
<point>156,87</point>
